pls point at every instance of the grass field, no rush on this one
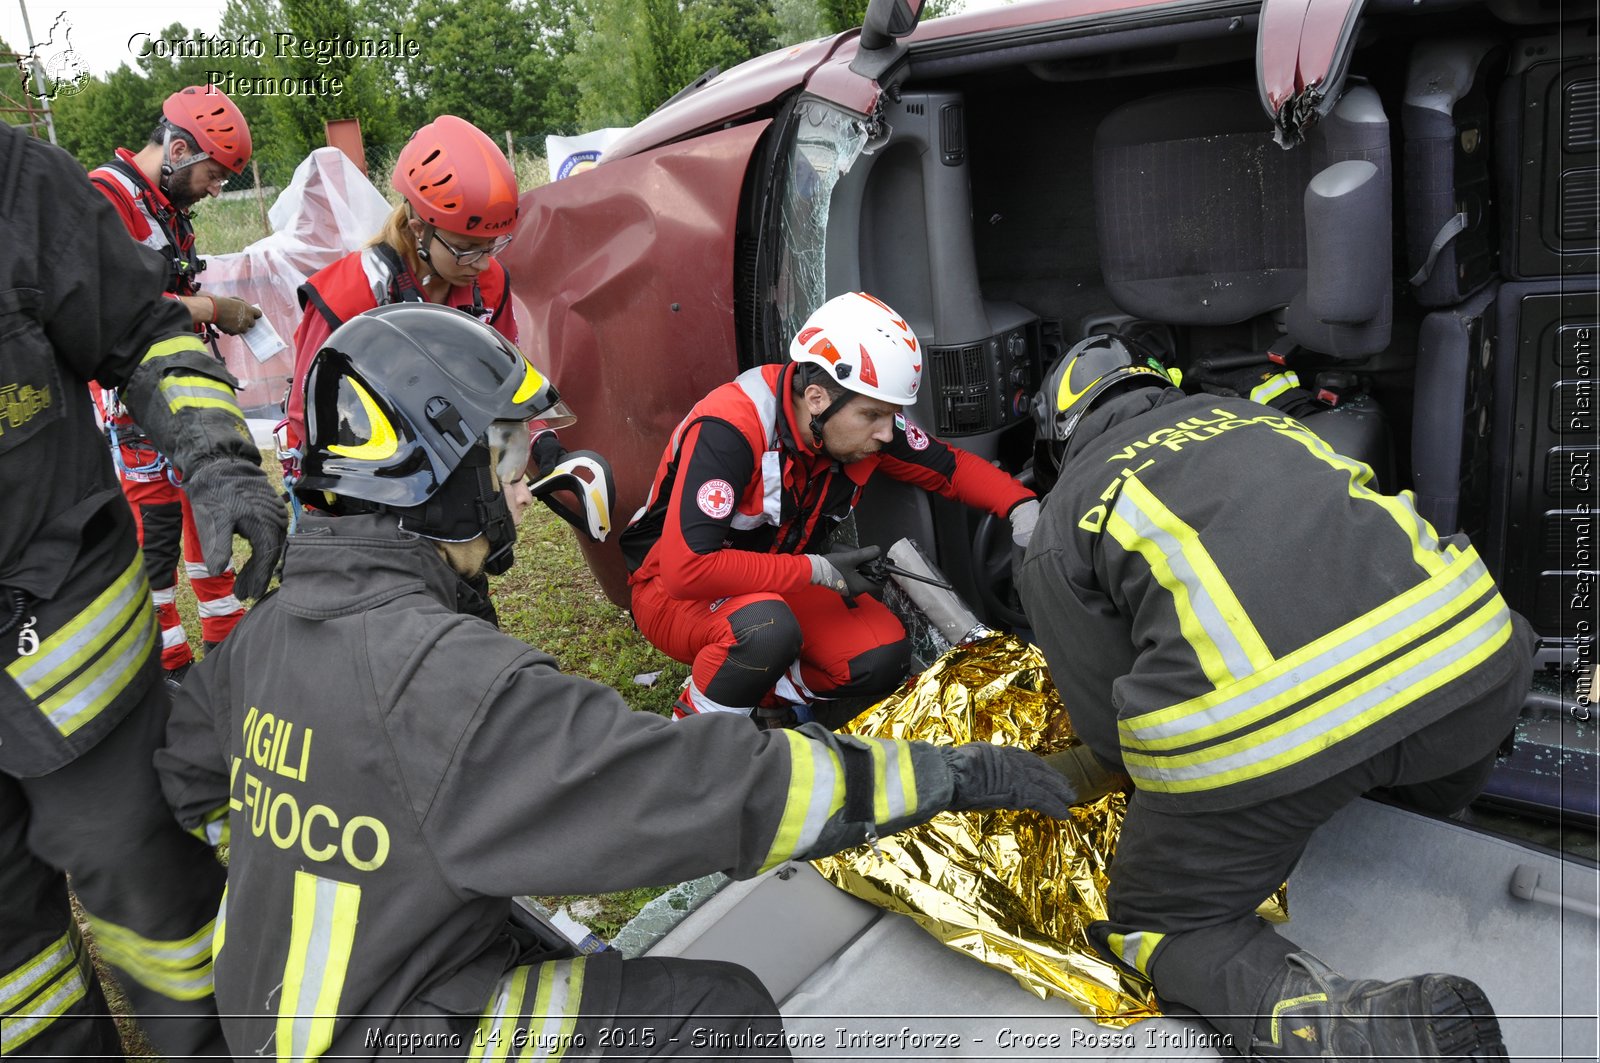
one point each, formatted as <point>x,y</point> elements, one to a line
<point>548,599</point>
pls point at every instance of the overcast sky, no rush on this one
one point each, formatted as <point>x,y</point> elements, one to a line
<point>100,28</point>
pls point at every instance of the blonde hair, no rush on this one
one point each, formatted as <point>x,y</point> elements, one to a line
<point>396,232</point>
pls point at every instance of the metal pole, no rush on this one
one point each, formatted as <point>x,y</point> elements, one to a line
<point>261,199</point>
<point>38,74</point>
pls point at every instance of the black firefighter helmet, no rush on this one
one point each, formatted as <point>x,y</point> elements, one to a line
<point>1092,369</point>
<point>422,410</point>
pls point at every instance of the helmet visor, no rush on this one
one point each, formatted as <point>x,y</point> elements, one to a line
<point>509,445</point>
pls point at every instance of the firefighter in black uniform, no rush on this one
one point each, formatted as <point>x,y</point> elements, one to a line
<point>1167,584</point>
<point>416,769</point>
<point>82,704</point>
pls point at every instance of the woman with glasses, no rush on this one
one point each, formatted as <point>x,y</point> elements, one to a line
<point>438,246</point>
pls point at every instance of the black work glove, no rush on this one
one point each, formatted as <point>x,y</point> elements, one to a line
<point>988,777</point>
<point>231,315</point>
<point>839,570</point>
<point>548,452</point>
<point>231,495</point>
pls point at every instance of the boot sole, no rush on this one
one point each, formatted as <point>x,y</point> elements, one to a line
<point>1461,1024</point>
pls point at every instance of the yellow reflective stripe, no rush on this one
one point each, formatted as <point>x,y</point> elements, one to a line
<point>1135,949</point>
<point>22,982</point>
<point>497,1029</point>
<point>179,970</point>
<point>322,934</point>
<point>196,392</point>
<point>894,784</point>
<point>816,792</point>
<point>1316,666</point>
<point>213,830</point>
<point>83,699</point>
<point>163,348</point>
<point>1210,617</point>
<point>1324,723</point>
<point>36,1016</point>
<point>1424,540</point>
<point>85,635</point>
<point>222,924</point>
<point>558,1001</point>
<point>1273,386</point>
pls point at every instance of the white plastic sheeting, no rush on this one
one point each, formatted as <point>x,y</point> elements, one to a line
<point>328,210</point>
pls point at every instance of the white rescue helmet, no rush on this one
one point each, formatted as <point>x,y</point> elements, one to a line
<point>863,345</point>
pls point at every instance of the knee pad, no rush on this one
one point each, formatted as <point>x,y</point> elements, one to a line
<point>767,636</point>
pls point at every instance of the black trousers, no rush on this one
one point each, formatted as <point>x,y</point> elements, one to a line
<point>149,889</point>
<point>1184,888</point>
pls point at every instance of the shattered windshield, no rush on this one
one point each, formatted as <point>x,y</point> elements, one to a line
<point>826,143</point>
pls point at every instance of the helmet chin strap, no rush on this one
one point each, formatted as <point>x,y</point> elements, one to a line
<point>423,240</point>
<point>818,420</point>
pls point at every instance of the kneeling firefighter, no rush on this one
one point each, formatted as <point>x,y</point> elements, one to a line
<point>417,768</point>
<point>1158,583</point>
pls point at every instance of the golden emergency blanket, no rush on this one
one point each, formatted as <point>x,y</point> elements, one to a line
<point>1016,890</point>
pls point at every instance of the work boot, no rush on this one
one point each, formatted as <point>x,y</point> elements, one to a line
<point>1315,1011</point>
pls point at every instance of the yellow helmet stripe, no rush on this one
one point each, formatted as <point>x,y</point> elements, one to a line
<point>383,442</point>
<point>532,381</point>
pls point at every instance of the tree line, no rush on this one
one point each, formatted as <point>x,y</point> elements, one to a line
<point>525,67</point>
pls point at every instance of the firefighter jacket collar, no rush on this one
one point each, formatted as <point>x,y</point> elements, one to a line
<point>340,566</point>
<point>1113,411</point>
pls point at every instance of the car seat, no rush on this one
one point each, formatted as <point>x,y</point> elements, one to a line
<point>1204,221</point>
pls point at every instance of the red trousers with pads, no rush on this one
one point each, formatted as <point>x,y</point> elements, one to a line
<point>167,532</point>
<point>741,646</point>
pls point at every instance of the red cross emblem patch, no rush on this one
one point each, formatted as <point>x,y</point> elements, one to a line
<point>715,498</point>
<point>916,437</point>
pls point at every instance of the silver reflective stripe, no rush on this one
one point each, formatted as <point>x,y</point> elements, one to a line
<point>502,1016</point>
<point>755,387</point>
<point>17,1030</point>
<point>110,676</point>
<point>1314,731</point>
<point>824,776</point>
<point>321,939</point>
<point>1298,672</point>
<point>771,494</point>
<point>753,383</point>
<point>1202,605</point>
<point>224,606</point>
<point>377,273</point>
<point>558,998</point>
<point>106,614</point>
<point>893,783</point>
<point>25,980</point>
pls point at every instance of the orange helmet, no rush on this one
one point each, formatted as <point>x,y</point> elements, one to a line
<point>215,122</point>
<point>456,179</point>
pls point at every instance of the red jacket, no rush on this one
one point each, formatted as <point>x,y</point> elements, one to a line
<point>153,221</point>
<point>739,494</point>
<point>375,276</point>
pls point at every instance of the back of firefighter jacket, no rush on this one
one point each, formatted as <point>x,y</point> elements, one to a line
<point>1232,612</point>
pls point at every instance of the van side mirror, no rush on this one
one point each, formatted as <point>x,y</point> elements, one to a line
<point>888,20</point>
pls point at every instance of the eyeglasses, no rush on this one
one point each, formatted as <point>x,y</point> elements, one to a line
<point>473,254</point>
